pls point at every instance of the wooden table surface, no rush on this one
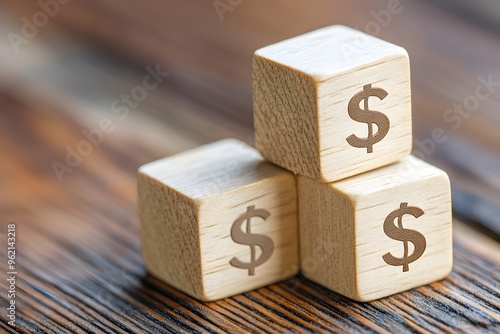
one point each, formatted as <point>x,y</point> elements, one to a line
<point>78,249</point>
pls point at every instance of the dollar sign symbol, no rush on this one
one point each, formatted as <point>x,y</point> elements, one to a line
<point>368,116</point>
<point>248,238</point>
<point>401,234</point>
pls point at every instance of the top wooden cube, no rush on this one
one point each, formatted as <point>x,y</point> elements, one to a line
<point>332,103</point>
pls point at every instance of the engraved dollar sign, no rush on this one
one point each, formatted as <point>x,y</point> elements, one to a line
<point>368,116</point>
<point>248,238</point>
<point>405,235</point>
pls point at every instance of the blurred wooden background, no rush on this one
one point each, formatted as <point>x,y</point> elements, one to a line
<point>80,268</point>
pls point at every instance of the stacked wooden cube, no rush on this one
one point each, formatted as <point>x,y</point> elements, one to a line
<point>348,206</point>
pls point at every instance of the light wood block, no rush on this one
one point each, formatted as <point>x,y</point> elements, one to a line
<point>218,220</point>
<point>351,241</point>
<point>332,103</point>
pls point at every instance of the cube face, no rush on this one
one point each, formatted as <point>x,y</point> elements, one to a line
<point>365,118</point>
<point>403,237</point>
<point>251,240</point>
<point>233,230</point>
<point>169,252</point>
<point>282,137</point>
<point>327,252</point>
<point>328,106</point>
<point>395,229</point>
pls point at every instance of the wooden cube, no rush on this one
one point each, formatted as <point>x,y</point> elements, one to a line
<point>332,103</point>
<point>218,220</point>
<point>378,233</point>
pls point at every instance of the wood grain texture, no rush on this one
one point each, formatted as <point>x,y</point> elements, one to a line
<point>332,103</point>
<point>79,246</point>
<point>345,230</point>
<point>192,235</point>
